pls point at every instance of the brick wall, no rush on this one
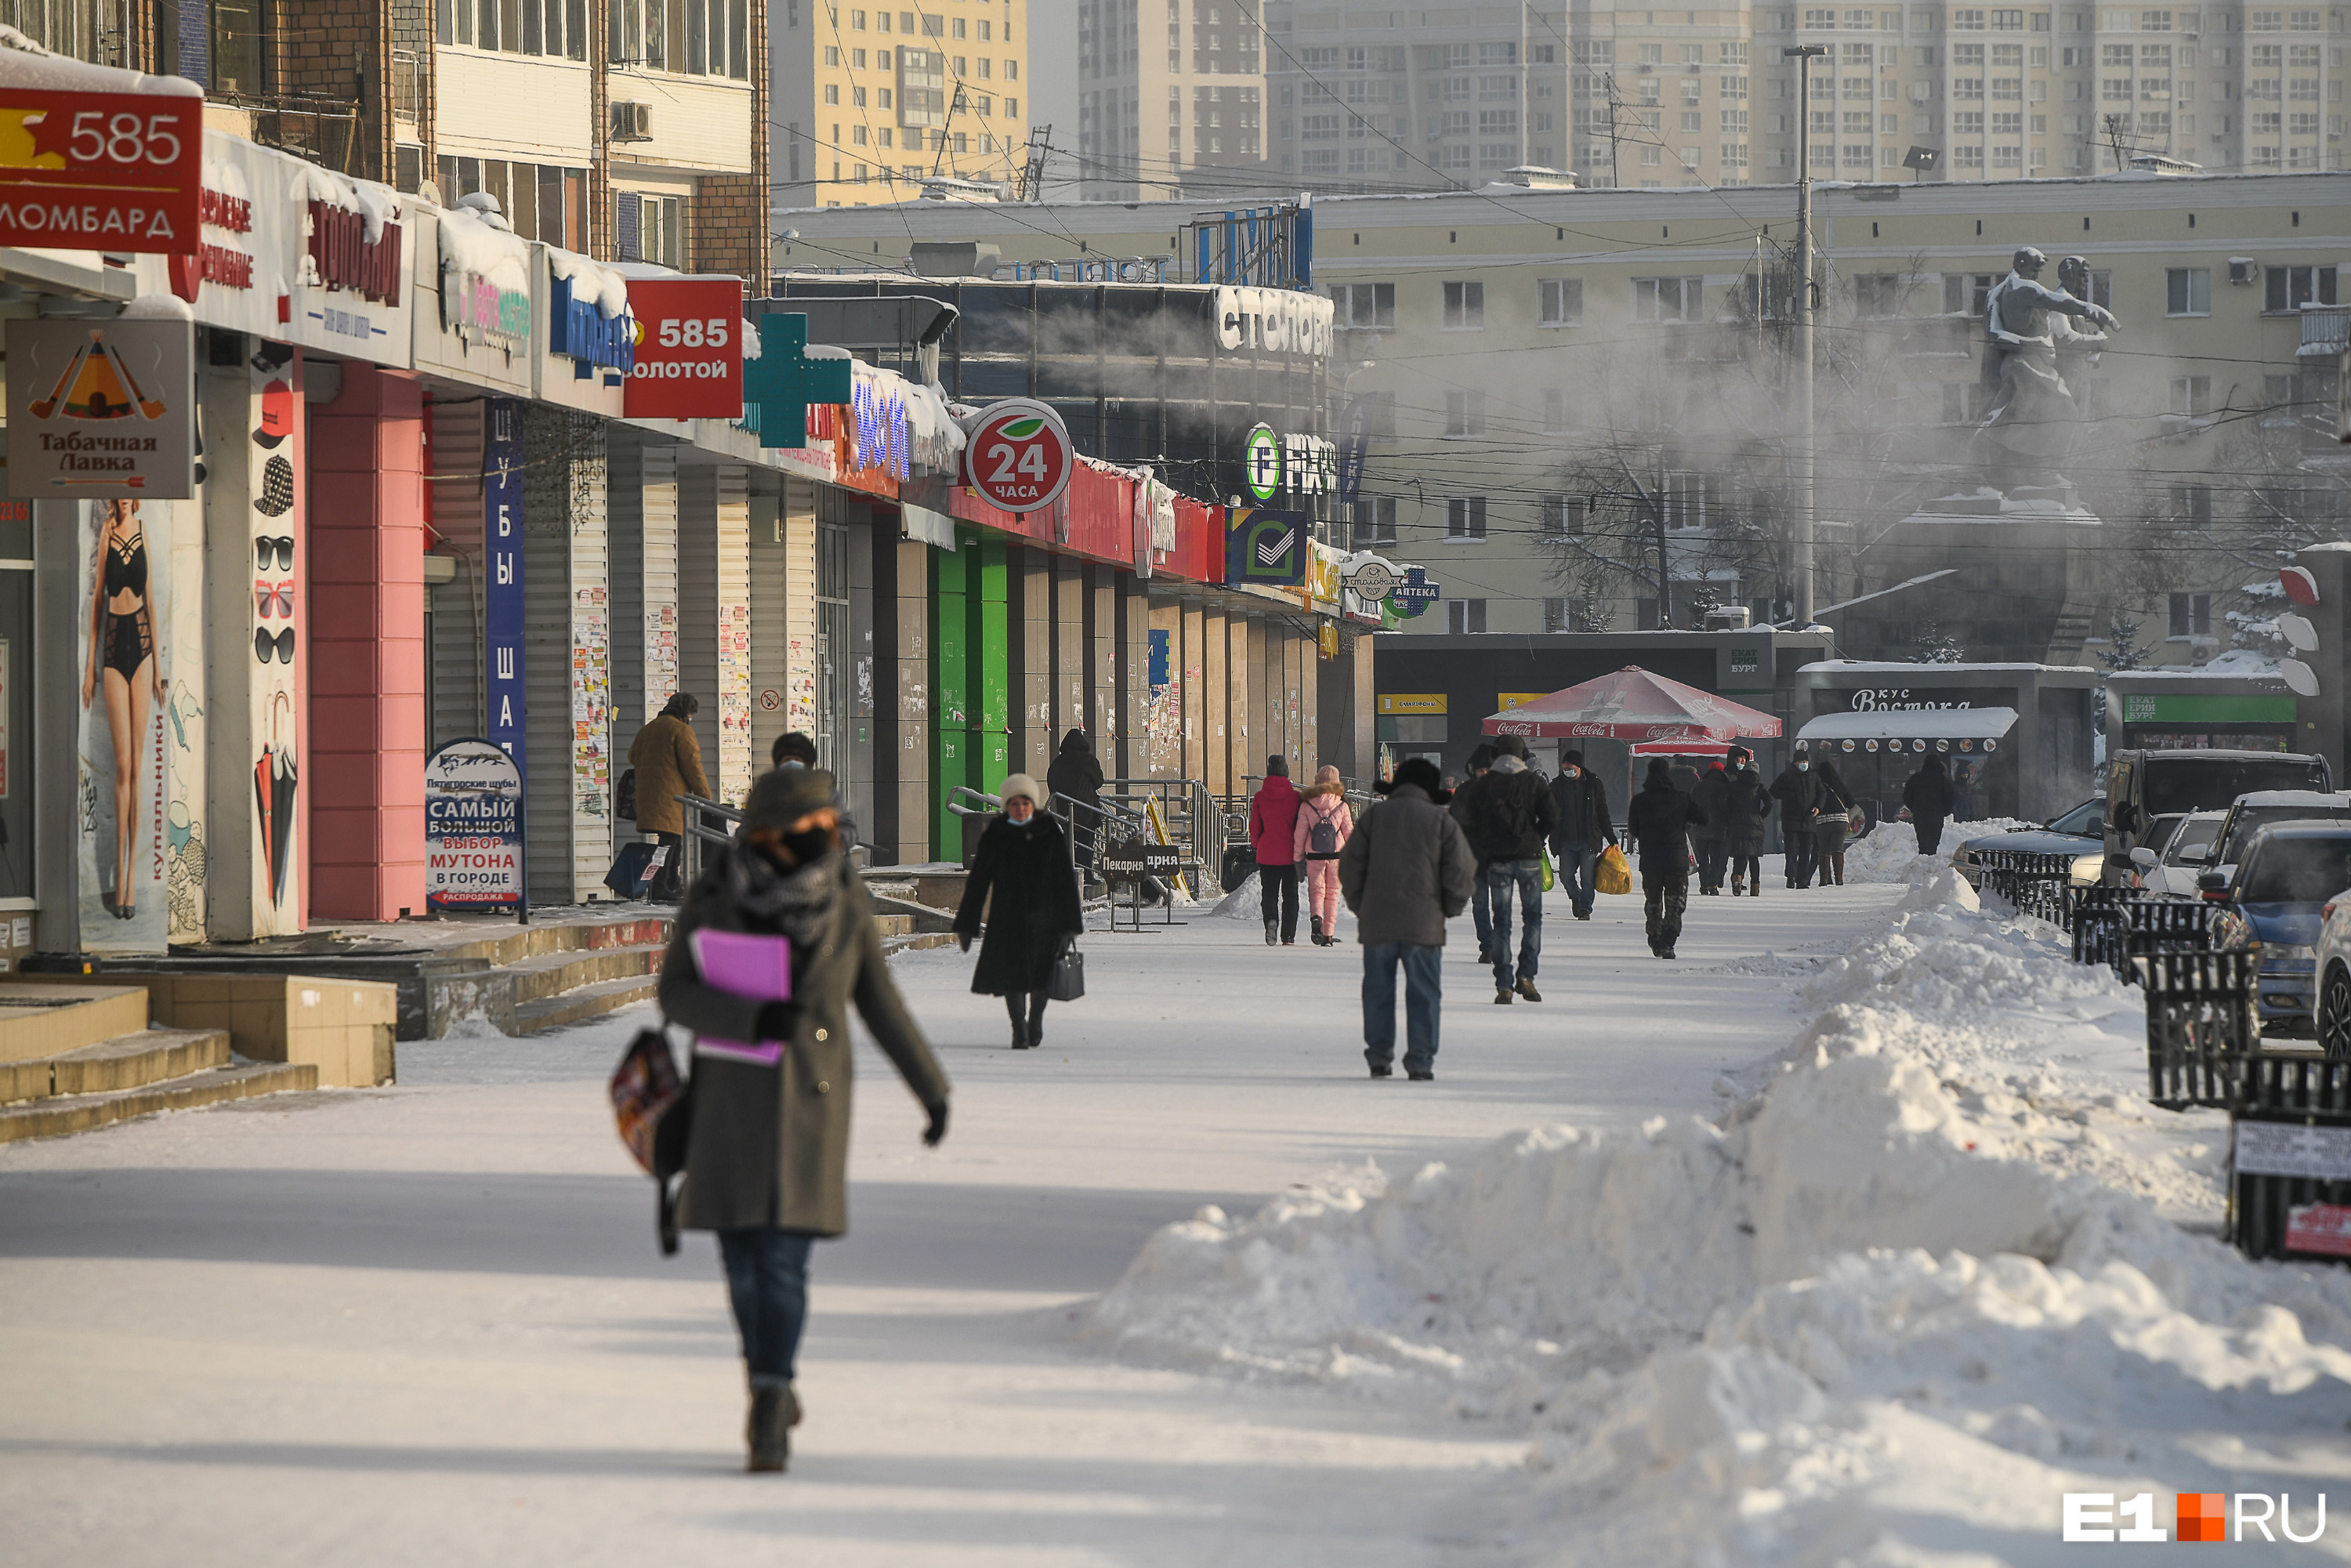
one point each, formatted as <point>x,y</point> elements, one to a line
<point>338,52</point>
<point>728,215</point>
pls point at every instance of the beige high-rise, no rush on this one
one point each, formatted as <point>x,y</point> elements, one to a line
<point>870,100</point>
<point>1172,96</point>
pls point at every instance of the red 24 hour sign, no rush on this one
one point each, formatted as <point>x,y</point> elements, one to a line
<point>1017,455</point>
<point>689,349</point>
<point>101,171</point>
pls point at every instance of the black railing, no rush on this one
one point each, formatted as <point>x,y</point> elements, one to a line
<point>2039,886</point>
<point>2200,1025</point>
<point>2290,1162</point>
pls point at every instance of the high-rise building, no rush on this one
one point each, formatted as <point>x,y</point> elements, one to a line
<point>872,102</point>
<point>1377,100</point>
<point>1178,115</point>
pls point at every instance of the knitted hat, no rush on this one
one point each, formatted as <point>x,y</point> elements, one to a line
<point>1510,746</point>
<point>1022,784</point>
<point>783,796</point>
<point>1420,772</point>
<point>1276,767</point>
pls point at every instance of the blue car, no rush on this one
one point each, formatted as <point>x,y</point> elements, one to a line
<point>2280,891</point>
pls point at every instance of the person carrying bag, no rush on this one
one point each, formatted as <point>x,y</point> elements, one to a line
<point>1023,879</point>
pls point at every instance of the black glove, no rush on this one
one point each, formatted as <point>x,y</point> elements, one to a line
<point>938,1127</point>
<point>775,1020</point>
<point>963,940</point>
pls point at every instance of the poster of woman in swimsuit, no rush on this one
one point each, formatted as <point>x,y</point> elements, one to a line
<point>125,688</point>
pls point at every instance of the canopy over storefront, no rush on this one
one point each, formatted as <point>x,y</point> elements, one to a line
<point>1633,705</point>
<point>1912,724</point>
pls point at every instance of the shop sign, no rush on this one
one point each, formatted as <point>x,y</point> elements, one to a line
<point>1900,699</point>
<point>485,284</point>
<point>1505,701</point>
<point>101,171</point>
<point>2194,708</point>
<point>688,360</point>
<point>1274,464</point>
<point>342,257</point>
<point>1322,574</point>
<point>503,621</point>
<point>1411,702</point>
<point>1373,580</point>
<point>1265,548</point>
<point>878,428</point>
<point>1274,320</point>
<point>1414,593</point>
<point>221,261</point>
<point>102,411</point>
<point>473,827</point>
<point>580,331</point>
<point>1018,456</point>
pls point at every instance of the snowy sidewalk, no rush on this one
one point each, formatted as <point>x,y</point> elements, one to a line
<point>428,1324</point>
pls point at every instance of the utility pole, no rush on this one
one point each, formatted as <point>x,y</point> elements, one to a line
<point>1613,180</point>
<point>1800,566</point>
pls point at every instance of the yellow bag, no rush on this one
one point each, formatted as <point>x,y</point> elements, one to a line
<point>1610,873</point>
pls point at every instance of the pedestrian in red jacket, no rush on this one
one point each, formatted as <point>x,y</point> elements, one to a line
<point>1273,825</point>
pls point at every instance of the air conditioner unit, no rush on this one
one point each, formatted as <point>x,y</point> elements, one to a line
<point>2240,269</point>
<point>632,122</point>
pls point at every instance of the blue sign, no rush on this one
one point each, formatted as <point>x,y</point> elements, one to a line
<point>579,330</point>
<point>1354,437</point>
<point>785,379</point>
<point>1267,549</point>
<point>1414,593</point>
<point>882,429</point>
<point>502,607</point>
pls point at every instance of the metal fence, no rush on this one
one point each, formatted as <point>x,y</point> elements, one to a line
<point>2041,885</point>
<point>2200,1025</point>
<point>2290,1158</point>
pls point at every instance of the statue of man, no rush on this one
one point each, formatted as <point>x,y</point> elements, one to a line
<point>2027,406</point>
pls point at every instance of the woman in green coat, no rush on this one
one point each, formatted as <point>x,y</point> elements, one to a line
<point>768,1155</point>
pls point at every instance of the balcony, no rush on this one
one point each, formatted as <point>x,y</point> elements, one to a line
<point>2325,331</point>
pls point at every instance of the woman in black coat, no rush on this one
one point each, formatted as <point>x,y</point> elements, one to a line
<point>1023,858</point>
<point>1746,808</point>
<point>1928,795</point>
<point>1076,775</point>
<point>1829,829</point>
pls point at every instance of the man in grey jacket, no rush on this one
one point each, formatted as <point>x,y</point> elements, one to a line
<point>1405,871</point>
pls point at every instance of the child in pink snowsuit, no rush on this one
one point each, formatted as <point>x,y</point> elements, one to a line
<point>1324,825</point>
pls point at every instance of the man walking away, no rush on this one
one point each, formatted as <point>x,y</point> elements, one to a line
<point>1831,826</point>
<point>1580,829</point>
<point>1406,870</point>
<point>1799,794</point>
<point>1480,905</point>
<point>1076,779</point>
<point>1963,792</point>
<point>1659,820</point>
<point>1508,820</point>
<point>668,760</point>
<point>1928,795</point>
<point>1713,796</point>
<point>1273,827</point>
<point>1745,808</point>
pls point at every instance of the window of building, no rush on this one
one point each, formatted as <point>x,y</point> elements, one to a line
<point>2188,291</point>
<point>2292,287</point>
<point>653,228</point>
<point>1554,411</point>
<point>1370,305</point>
<point>1562,517</point>
<point>1465,518</point>
<point>1877,294</point>
<point>1667,298</point>
<point>2191,396</point>
<point>2191,614</point>
<point>1683,499</point>
<point>2192,503</point>
<point>1375,522</point>
<point>1463,615</point>
<point>1465,414</point>
<point>1561,302</point>
<point>1966,291</point>
<point>1465,306</point>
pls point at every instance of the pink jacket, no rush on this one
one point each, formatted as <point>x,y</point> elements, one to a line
<point>1321,803</point>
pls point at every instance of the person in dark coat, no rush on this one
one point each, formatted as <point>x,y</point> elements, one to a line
<point>795,749</point>
<point>1581,829</point>
<point>1831,826</point>
<point>1509,818</point>
<point>767,1152</point>
<point>1023,858</point>
<point>667,760</point>
<point>1273,834</point>
<point>1659,820</point>
<point>1745,807</point>
<point>1076,779</point>
<point>1799,794</point>
<point>1963,792</point>
<point>1405,872</point>
<point>1481,906</point>
<point>1928,796</point>
<point>1711,794</point>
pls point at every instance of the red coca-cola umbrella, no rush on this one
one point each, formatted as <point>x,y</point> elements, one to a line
<point>1633,705</point>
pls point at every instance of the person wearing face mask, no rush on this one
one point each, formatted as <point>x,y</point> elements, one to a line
<point>766,1158</point>
<point>1023,861</point>
<point>1745,807</point>
<point>1799,794</point>
<point>1580,829</point>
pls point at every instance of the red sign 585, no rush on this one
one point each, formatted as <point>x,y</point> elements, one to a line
<point>689,349</point>
<point>101,171</point>
<point>1017,455</point>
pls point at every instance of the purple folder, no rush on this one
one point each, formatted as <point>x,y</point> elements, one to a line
<point>758,967</point>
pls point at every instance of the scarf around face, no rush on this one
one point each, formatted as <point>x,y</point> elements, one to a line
<point>797,901</point>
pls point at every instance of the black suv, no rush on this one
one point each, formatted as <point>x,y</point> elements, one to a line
<point>2143,785</point>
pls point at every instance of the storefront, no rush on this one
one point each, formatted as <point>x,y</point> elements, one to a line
<point>2016,737</point>
<point>2191,709</point>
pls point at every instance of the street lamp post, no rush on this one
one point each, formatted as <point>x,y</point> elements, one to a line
<point>1801,552</point>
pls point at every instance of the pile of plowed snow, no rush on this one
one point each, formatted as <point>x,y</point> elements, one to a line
<point>1890,853</point>
<point>1930,1275</point>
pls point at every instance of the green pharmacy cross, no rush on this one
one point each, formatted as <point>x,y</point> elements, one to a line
<point>784,380</point>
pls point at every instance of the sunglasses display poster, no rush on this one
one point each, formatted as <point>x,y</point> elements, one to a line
<point>276,634</point>
<point>139,786</point>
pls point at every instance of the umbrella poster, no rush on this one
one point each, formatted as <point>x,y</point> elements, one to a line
<point>102,409</point>
<point>275,652</point>
<point>473,827</point>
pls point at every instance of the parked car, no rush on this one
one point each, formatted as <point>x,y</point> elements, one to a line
<point>2267,808</point>
<point>2080,832</point>
<point>2178,850</point>
<point>2280,889</point>
<point>2332,963</point>
<point>2142,786</point>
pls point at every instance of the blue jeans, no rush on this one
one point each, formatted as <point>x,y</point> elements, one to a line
<point>1481,914</point>
<point>766,1278</point>
<point>1526,875</point>
<point>1423,993</point>
<point>1575,862</point>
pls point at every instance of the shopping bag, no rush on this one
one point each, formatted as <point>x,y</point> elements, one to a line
<point>1546,881</point>
<point>655,1112</point>
<point>1068,981</point>
<point>1612,874</point>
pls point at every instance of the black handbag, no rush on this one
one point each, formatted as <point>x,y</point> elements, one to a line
<point>1068,981</point>
<point>625,808</point>
<point>654,1108</point>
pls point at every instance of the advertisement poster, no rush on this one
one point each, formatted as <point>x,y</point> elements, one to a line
<point>502,606</point>
<point>274,373</point>
<point>125,647</point>
<point>473,827</point>
<point>100,410</point>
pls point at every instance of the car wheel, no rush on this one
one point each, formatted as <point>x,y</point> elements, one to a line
<point>2335,1012</point>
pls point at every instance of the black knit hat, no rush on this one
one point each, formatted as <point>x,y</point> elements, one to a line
<point>1419,771</point>
<point>783,796</point>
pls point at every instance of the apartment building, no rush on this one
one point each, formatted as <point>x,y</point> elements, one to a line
<point>874,101</point>
<point>1194,124</point>
<point>1375,99</point>
<point>1564,383</point>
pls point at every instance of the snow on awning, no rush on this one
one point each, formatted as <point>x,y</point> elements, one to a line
<point>1912,724</point>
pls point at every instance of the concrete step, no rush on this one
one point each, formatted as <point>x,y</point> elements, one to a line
<point>128,1061</point>
<point>916,941</point>
<point>60,1114</point>
<point>586,1001</point>
<point>895,925</point>
<point>511,944</point>
<point>546,975</point>
<point>41,1015</point>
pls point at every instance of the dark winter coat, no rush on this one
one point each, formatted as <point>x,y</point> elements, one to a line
<point>1745,807</point>
<point>1406,870</point>
<point>1273,823</point>
<point>1076,775</point>
<point>668,760</point>
<point>1713,796</point>
<point>1929,793</point>
<point>1035,910</point>
<point>1799,795</point>
<point>1836,795</point>
<point>1509,813</point>
<point>1661,819</point>
<point>1579,809</point>
<point>769,1145</point>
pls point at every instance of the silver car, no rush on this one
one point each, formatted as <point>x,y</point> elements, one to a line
<point>2183,848</point>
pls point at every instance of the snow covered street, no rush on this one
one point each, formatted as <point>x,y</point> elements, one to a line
<point>430,1324</point>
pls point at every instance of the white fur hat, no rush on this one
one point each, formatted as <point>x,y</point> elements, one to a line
<point>1022,784</point>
